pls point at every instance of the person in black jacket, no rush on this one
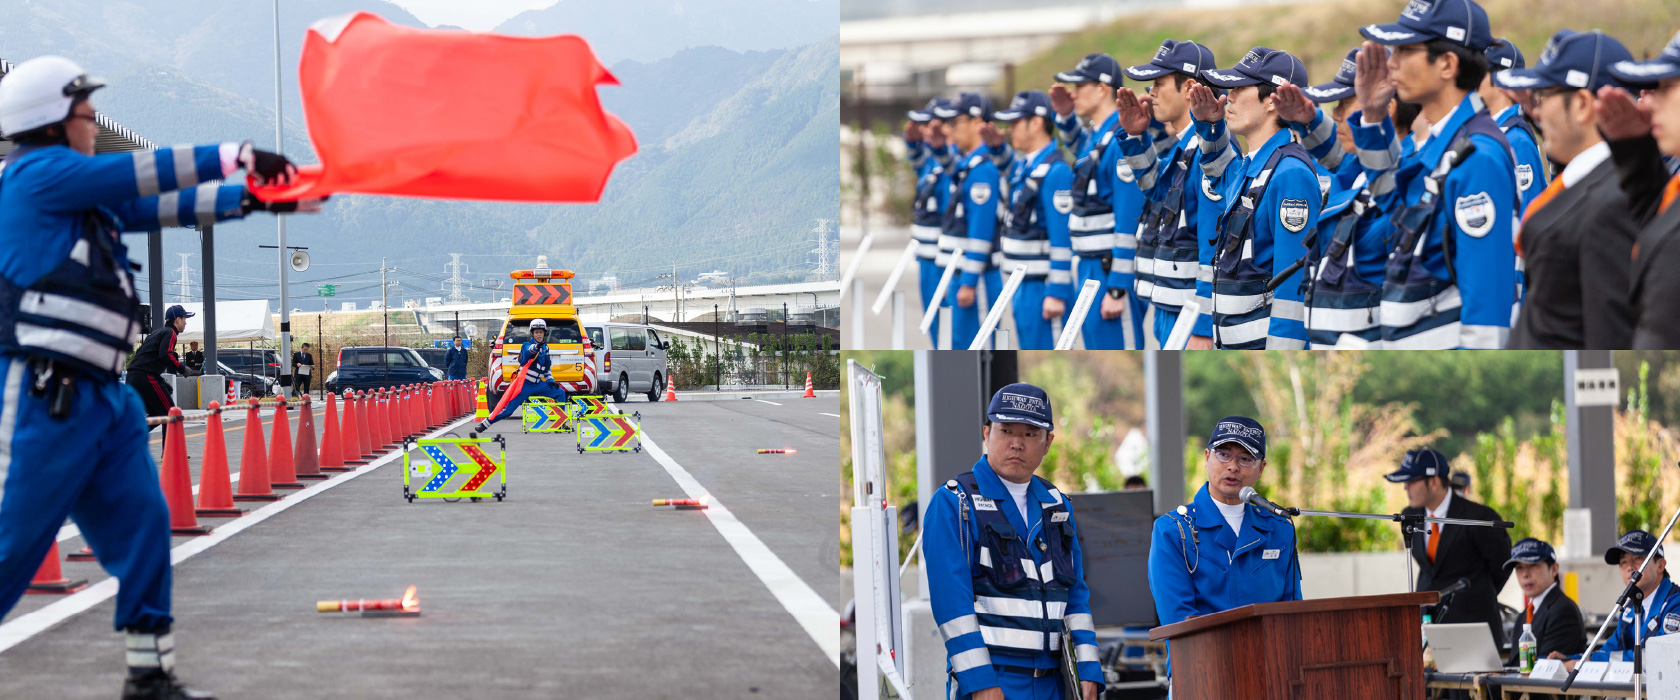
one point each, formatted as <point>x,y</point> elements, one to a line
<point>156,357</point>
<point>1447,553</point>
<point>1555,619</point>
<point>303,365</point>
<point>194,359</point>
<point>1650,188</point>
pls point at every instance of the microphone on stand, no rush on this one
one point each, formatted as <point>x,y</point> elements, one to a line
<point>1252,497</point>
<point>1456,586</point>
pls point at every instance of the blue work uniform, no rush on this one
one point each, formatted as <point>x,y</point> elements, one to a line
<point>455,362</point>
<point>1455,286</point>
<point>927,209</point>
<point>1531,171</point>
<point>1000,597</point>
<point>1035,238</point>
<point>971,220</point>
<point>1662,616</point>
<point>68,311</point>
<point>538,381</point>
<point>1271,200</point>
<point>1186,578</point>
<point>1171,257</point>
<point>1091,222</point>
<point>1343,283</point>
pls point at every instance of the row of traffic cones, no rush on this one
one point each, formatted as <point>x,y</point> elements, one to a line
<point>373,421</point>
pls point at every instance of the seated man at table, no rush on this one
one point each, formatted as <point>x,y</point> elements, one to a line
<point>1662,598</point>
<point>1553,617</point>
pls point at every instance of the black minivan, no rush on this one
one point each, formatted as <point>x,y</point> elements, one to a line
<point>378,368</point>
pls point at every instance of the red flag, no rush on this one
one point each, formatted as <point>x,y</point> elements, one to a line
<point>513,387</point>
<point>452,114</point>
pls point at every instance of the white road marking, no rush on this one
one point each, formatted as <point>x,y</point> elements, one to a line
<point>819,619</point>
<point>23,627</point>
<point>836,415</point>
<point>772,403</point>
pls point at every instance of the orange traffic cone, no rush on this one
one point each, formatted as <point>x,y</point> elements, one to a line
<point>671,388</point>
<point>215,487</point>
<point>176,480</point>
<point>380,414</point>
<point>351,437</point>
<point>809,392</point>
<point>405,413</point>
<point>395,422</point>
<point>253,462</point>
<point>282,473</point>
<point>306,463</point>
<point>332,444</point>
<point>428,406</point>
<point>50,577</point>
<point>364,413</point>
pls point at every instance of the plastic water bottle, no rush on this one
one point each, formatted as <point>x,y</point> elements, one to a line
<point>1428,654</point>
<point>1525,649</point>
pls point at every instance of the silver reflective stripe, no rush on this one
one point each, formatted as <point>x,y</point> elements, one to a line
<point>1059,277</point>
<point>1094,222</point>
<point>1085,652</point>
<point>967,624</point>
<point>74,311</point>
<point>1442,338</point>
<point>1031,569</point>
<point>1020,246</point>
<point>1171,296</point>
<point>205,204</point>
<point>1007,607</point>
<point>1036,268</point>
<point>9,418</point>
<point>1054,610</point>
<point>73,344</point>
<point>1123,265</point>
<point>1059,254</point>
<point>1237,303</point>
<point>186,171</point>
<point>1125,240</point>
<point>169,209</point>
<point>973,266</point>
<point>977,245</point>
<point>971,659</point>
<point>1289,310</point>
<point>79,252</point>
<point>145,172</point>
<point>1093,243</point>
<point>1172,269</point>
<point>1204,273</point>
<point>1080,621</point>
<point>1274,342</point>
<point>1482,337</point>
<point>1245,332</point>
<point>1315,138</point>
<point>1047,572</point>
<point>925,234</point>
<point>1401,314</point>
<point>1343,320</point>
<point>1012,638</point>
<point>986,557</point>
<point>151,650</point>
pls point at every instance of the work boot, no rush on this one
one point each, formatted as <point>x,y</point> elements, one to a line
<point>480,428</point>
<point>157,684</point>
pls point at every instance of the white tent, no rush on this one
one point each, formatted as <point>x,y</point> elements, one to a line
<point>236,321</point>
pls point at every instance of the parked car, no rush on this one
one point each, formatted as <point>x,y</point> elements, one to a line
<point>250,385</point>
<point>630,359</point>
<point>434,357</point>
<point>263,362</point>
<point>362,368</point>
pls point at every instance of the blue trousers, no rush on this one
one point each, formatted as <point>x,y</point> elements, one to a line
<point>928,279</point>
<point>965,322</point>
<point>1017,686</point>
<point>1165,319</point>
<point>457,375</point>
<point>1032,330</point>
<point>1100,333</point>
<point>92,466</point>
<point>528,390</point>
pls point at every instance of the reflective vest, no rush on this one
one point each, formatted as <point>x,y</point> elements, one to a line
<point>84,312</point>
<point>1239,284</point>
<point>1343,308</point>
<point>953,235</point>
<point>1018,603</point>
<point>1091,222</point>
<point>925,212</point>
<point>1026,236</point>
<point>1160,224</point>
<point>538,371</point>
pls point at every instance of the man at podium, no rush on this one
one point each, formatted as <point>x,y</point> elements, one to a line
<point>1004,568</point>
<point>1217,552</point>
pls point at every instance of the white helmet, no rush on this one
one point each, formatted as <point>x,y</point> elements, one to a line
<point>539,323</point>
<point>40,91</point>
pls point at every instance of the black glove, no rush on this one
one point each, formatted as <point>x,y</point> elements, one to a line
<point>249,203</point>
<point>268,167</point>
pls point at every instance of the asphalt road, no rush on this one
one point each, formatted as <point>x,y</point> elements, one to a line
<point>574,586</point>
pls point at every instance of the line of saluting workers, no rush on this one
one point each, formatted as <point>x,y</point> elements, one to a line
<point>1418,213</point>
<point>1006,575</point>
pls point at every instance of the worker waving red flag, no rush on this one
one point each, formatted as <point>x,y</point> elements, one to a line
<point>451,114</point>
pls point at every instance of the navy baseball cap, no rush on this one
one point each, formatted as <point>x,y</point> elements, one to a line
<point>1503,55</point>
<point>1635,542</point>
<point>1187,57</point>
<point>931,111</point>
<point>1572,59</point>
<point>1260,65</point>
<point>1459,479</point>
<point>1027,103</point>
<point>1647,74</point>
<point>1021,403</point>
<point>1531,551</point>
<point>970,103</point>
<point>1419,464</point>
<point>1340,87</point>
<point>1462,22</point>
<point>1241,430</point>
<point>1095,68</point>
<point>176,311</point>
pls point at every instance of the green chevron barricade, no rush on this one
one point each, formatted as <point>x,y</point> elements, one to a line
<point>541,414</point>
<point>584,405</point>
<point>450,457</point>
<point>608,432</point>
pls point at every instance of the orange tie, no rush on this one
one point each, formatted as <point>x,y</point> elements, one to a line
<point>1528,607</point>
<point>1434,540</point>
<point>1669,193</point>
<point>1545,196</point>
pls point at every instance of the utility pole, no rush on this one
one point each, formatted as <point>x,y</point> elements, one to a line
<point>385,313</point>
<point>186,277</point>
<point>280,221</point>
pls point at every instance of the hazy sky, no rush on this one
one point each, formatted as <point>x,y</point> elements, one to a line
<point>477,15</point>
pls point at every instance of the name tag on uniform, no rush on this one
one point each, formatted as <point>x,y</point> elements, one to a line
<point>1270,553</point>
<point>983,503</point>
<point>1058,517</point>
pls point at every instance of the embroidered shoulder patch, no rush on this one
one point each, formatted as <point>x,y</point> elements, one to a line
<point>980,192</point>
<point>1063,201</point>
<point>1207,189</point>
<point>1474,214</point>
<point>1123,171</point>
<point>1292,213</point>
<point>1525,176</point>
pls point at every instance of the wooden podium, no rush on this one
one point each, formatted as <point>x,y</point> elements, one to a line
<point>1367,647</point>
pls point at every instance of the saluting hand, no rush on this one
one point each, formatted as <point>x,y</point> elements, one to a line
<point>912,131</point>
<point>1203,105</point>
<point>1620,116</point>
<point>990,134</point>
<point>1371,82</point>
<point>1134,111</point>
<point>935,136</point>
<point>1061,100</point>
<point>1293,106</point>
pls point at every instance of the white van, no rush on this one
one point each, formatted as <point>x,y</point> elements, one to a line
<point>630,359</point>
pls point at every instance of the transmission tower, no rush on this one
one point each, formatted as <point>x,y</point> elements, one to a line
<point>825,253</point>
<point>455,267</point>
<point>185,271</point>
